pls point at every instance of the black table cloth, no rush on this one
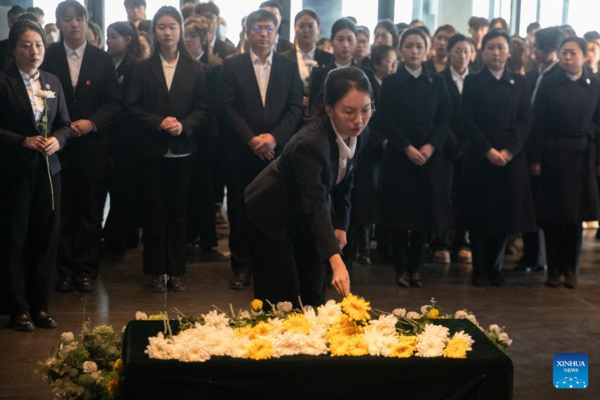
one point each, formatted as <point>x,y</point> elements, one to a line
<point>486,373</point>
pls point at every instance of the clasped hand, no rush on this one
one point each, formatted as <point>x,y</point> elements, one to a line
<point>263,146</point>
<point>499,158</point>
<point>172,126</point>
<point>45,146</point>
<point>81,127</point>
<point>421,156</point>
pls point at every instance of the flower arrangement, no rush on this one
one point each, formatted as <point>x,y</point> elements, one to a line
<point>85,369</point>
<point>338,329</point>
<point>43,126</point>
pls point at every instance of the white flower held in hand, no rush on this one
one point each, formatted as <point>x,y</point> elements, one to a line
<point>45,94</point>
<point>89,367</point>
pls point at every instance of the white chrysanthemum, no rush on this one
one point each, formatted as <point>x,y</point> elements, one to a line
<point>244,314</point>
<point>413,315</point>
<point>276,323</point>
<point>399,312</point>
<point>328,313</point>
<point>311,316</point>
<point>386,324</point>
<point>141,316</point>
<point>290,344</point>
<point>465,336</point>
<point>461,314</point>
<point>425,309</point>
<point>503,337</point>
<point>379,344</point>
<point>89,367</point>
<point>284,306</point>
<point>432,341</point>
<point>216,319</point>
<point>496,329</point>
<point>472,318</point>
<point>67,337</point>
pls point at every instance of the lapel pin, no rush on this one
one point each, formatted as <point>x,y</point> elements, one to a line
<point>88,82</point>
<point>512,81</point>
<point>588,81</point>
<point>430,80</point>
<point>48,86</point>
<point>121,78</point>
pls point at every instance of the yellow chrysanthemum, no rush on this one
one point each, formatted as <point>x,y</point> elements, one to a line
<point>433,313</point>
<point>297,323</point>
<point>244,331</point>
<point>354,345</point>
<point>262,329</point>
<point>343,326</point>
<point>156,317</point>
<point>118,365</point>
<point>112,386</point>
<point>260,349</point>
<point>256,305</point>
<point>456,348</point>
<point>356,307</point>
<point>405,347</point>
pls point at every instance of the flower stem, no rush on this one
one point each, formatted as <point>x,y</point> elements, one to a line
<point>50,180</point>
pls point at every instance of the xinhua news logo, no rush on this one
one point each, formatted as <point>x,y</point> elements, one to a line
<point>571,371</point>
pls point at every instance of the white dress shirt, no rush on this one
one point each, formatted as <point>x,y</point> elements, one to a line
<point>33,85</point>
<point>302,67</point>
<point>169,71</point>
<point>75,58</point>
<point>346,153</point>
<point>414,72</point>
<point>541,73</point>
<point>574,77</point>
<point>343,66</point>
<point>459,79</point>
<point>262,72</point>
<point>497,74</point>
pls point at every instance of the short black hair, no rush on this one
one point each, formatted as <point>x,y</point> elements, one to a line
<point>457,38</point>
<point>271,3</point>
<point>260,15</point>
<point>549,39</point>
<point>494,33</point>
<point>207,7</point>
<point>35,10</point>
<point>364,30</point>
<point>501,21</point>
<point>402,26</point>
<point>424,29</point>
<point>577,40</point>
<point>379,52</point>
<point>445,28</point>
<point>533,26</point>
<point>134,3</point>
<point>308,12</point>
<point>389,26</point>
<point>477,23</point>
<point>29,17</point>
<point>17,30</point>
<point>353,19</point>
<point>15,10</point>
<point>591,36</point>
<point>341,24</point>
<point>568,30</point>
<point>413,31</point>
<point>63,8</point>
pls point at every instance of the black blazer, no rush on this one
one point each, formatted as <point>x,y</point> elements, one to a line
<point>223,49</point>
<point>456,137</point>
<point>17,122</point>
<point>124,131</point>
<point>322,58</point>
<point>96,97</point>
<point>213,71</point>
<point>242,107</point>
<point>149,102</point>
<point>299,188</point>
<point>283,45</point>
<point>3,53</point>
<point>532,76</point>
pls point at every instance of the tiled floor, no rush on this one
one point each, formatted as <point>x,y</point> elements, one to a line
<point>541,321</point>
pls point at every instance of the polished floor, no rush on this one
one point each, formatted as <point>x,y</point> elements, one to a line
<point>542,321</point>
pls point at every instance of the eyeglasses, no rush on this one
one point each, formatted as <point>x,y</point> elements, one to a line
<point>258,28</point>
<point>350,115</point>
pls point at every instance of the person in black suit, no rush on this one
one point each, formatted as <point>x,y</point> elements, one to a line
<point>120,230</point>
<point>564,159</point>
<point>415,112</point>
<point>33,128</point>
<point>12,15</point>
<point>281,44</point>
<point>168,98</point>
<point>89,80</point>
<point>306,53</point>
<point>495,195</point>
<point>136,14</point>
<point>210,12</point>
<point>343,39</point>
<point>299,205</point>
<point>545,47</point>
<point>201,227</point>
<point>385,33</point>
<point>261,103</point>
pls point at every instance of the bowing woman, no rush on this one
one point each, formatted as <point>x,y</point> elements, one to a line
<point>564,159</point>
<point>31,175</point>
<point>415,112</point>
<point>299,205</point>
<point>495,195</point>
<point>168,99</point>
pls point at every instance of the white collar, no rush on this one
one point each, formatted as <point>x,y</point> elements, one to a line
<point>256,60</point>
<point>345,150</point>
<point>27,78</point>
<point>575,77</point>
<point>543,71</point>
<point>201,54</point>
<point>456,76</point>
<point>277,39</point>
<point>496,74</point>
<point>310,54</point>
<point>414,72</point>
<point>212,44</point>
<point>343,66</point>
<point>164,62</point>
<point>79,51</point>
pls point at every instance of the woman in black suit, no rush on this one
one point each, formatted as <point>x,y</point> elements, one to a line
<point>415,112</point>
<point>299,205</point>
<point>120,230</point>
<point>30,175</point>
<point>168,100</point>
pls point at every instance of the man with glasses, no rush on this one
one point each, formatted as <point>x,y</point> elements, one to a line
<point>261,104</point>
<point>210,12</point>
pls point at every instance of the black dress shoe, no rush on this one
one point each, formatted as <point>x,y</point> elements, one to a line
<point>22,323</point>
<point>157,284</point>
<point>175,284</point>
<point>85,285</point>
<point>240,281</point>
<point>496,279</point>
<point>415,280</point>
<point>42,319</point>
<point>64,285</point>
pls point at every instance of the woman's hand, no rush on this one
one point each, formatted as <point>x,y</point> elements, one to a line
<point>51,146</point>
<point>496,158</point>
<point>507,155</point>
<point>341,278</point>
<point>36,143</point>
<point>427,151</point>
<point>536,169</point>
<point>340,235</point>
<point>415,156</point>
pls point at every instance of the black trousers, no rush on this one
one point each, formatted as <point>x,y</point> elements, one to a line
<point>239,176</point>
<point>120,230</point>
<point>165,183</point>
<point>219,172</point>
<point>32,245</point>
<point>409,250</point>
<point>563,246</point>
<point>85,177</point>
<point>488,251</point>
<point>358,243</point>
<point>284,271</point>
<point>201,211</point>
<point>534,249</point>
